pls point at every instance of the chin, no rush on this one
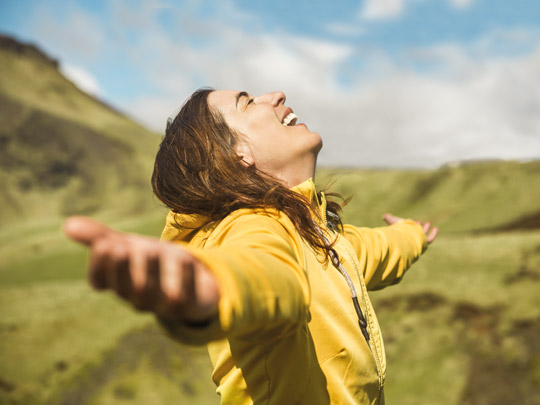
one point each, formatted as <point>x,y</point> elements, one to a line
<point>318,142</point>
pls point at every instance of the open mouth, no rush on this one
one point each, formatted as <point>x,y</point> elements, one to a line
<point>290,120</point>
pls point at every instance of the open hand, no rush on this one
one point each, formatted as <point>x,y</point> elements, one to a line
<point>153,276</point>
<point>429,231</point>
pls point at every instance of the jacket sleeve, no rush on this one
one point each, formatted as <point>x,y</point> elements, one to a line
<point>385,253</point>
<point>264,291</point>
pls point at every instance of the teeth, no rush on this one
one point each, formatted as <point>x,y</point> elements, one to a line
<point>290,119</point>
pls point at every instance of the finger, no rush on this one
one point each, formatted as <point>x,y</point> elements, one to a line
<point>99,264</point>
<point>171,298</point>
<point>124,283</point>
<point>187,286</point>
<point>152,289</point>
<point>137,272</point>
<point>206,290</point>
<point>170,271</point>
<point>118,276</point>
<point>85,230</point>
<point>391,219</point>
<point>144,273</point>
<point>426,227</point>
<point>432,235</point>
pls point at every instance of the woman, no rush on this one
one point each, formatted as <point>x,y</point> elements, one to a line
<point>254,261</point>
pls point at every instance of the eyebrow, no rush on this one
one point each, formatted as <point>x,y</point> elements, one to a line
<point>239,95</point>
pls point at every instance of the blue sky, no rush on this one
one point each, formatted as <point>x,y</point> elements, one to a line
<point>409,83</point>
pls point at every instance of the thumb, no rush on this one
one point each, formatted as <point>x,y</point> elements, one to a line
<point>85,230</point>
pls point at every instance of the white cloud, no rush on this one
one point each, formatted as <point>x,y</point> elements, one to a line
<point>257,64</point>
<point>381,9</point>
<point>81,35</point>
<point>412,119</point>
<point>461,3</point>
<point>82,79</point>
<point>153,111</point>
<point>346,30</point>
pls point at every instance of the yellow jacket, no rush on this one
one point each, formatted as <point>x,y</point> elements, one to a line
<point>287,331</point>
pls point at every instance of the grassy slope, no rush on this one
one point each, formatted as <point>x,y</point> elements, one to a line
<point>32,78</point>
<point>64,343</point>
<point>62,151</point>
<point>462,198</point>
<point>457,328</point>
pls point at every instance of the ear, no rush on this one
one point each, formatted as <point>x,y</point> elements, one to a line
<point>244,152</point>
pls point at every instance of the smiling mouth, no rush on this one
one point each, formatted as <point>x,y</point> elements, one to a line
<point>290,120</point>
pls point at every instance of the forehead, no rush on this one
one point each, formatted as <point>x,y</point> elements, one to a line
<point>223,100</point>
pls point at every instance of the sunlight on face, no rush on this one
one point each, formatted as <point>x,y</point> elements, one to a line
<point>288,152</point>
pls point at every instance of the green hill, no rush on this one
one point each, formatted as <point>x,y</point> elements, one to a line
<point>466,197</point>
<point>461,328</point>
<point>61,150</point>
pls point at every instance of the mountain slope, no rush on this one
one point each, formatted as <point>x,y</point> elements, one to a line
<point>33,78</point>
<point>62,151</point>
<point>469,197</point>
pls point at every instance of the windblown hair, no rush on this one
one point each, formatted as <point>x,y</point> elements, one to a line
<point>197,171</point>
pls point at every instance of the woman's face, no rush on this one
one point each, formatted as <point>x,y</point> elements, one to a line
<point>288,152</point>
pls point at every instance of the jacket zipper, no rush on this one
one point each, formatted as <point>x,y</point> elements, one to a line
<point>361,319</point>
<point>369,321</point>
<point>362,322</point>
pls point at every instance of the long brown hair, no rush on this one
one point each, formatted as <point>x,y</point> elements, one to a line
<point>197,171</point>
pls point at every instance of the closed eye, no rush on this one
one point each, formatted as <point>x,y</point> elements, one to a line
<point>250,101</point>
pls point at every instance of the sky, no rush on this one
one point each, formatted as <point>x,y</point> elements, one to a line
<point>386,83</point>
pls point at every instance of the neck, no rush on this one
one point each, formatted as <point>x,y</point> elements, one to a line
<point>297,174</point>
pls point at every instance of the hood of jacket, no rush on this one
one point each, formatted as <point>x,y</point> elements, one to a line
<point>183,227</point>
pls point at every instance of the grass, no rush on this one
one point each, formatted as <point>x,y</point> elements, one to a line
<point>163,374</point>
<point>460,198</point>
<point>56,332</point>
<point>53,324</point>
<point>460,310</point>
<point>59,336</point>
<point>68,343</point>
<point>33,254</point>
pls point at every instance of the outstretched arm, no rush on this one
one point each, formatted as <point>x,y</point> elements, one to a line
<point>385,253</point>
<point>155,276</point>
<point>429,231</point>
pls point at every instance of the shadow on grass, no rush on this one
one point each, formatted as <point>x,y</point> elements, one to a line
<point>504,364</point>
<point>184,367</point>
<point>526,222</point>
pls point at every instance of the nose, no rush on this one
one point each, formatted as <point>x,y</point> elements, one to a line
<point>275,98</point>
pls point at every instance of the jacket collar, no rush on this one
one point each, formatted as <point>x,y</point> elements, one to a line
<point>185,226</point>
<point>307,189</point>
